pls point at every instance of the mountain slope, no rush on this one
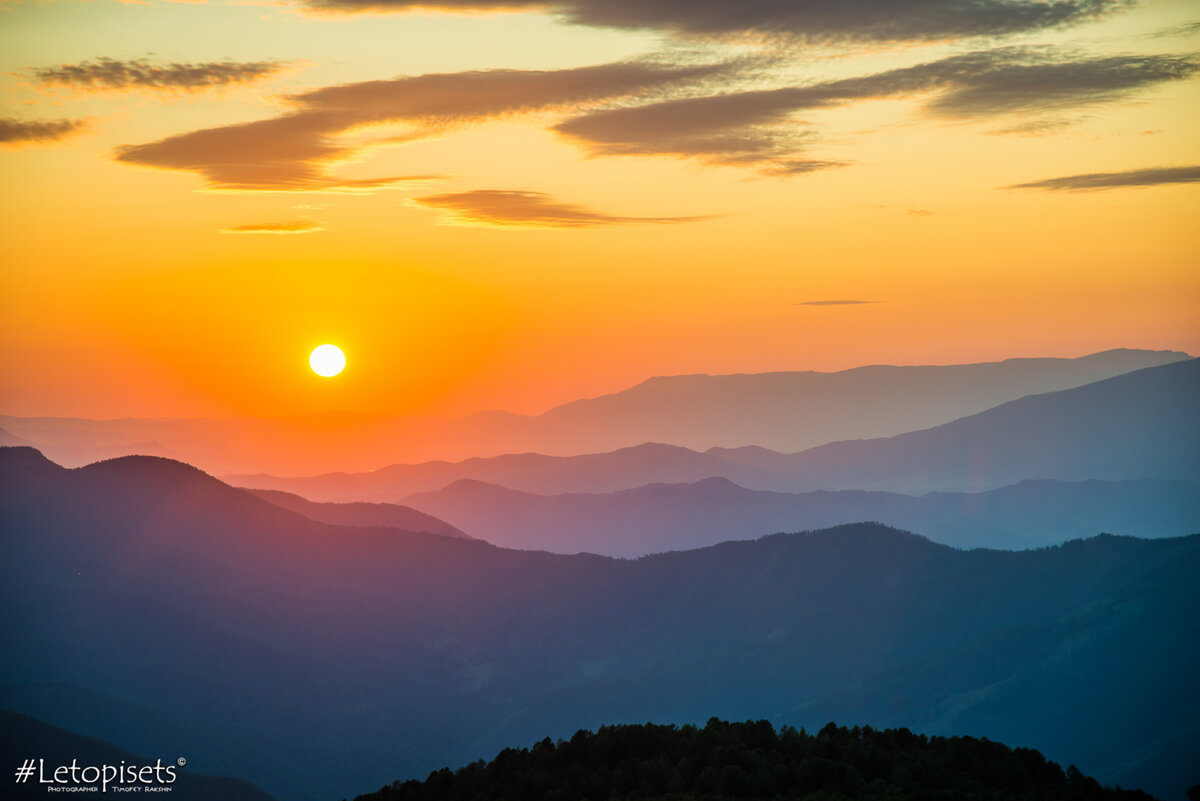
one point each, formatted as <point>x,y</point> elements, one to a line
<point>784,411</point>
<point>792,411</point>
<point>386,515</point>
<point>318,659</point>
<point>626,468</point>
<point>751,761</point>
<point>23,738</point>
<point>662,517</point>
<point>1139,425</point>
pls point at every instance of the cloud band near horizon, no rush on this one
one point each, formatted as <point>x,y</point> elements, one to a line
<point>510,208</point>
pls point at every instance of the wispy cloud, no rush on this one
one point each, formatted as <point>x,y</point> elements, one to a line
<point>294,227</point>
<point>1184,30</point>
<point>862,20</point>
<point>500,207</point>
<point>1095,181</point>
<point>757,127</point>
<point>835,302</point>
<point>18,132</point>
<point>295,151</point>
<point>634,108</point>
<point>1036,80</point>
<point>114,74</point>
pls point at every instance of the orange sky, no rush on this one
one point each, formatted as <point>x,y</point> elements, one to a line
<point>512,210</point>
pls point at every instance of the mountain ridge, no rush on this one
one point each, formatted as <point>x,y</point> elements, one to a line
<point>837,405</point>
<point>680,516</point>
<point>405,653</point>
<point>1137,425</point>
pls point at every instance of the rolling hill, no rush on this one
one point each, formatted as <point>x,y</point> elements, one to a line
<point>665,517</point>
<point>363,515</point>
<point>146,603</point>
<point>23,737</point>
<point>723,761</point>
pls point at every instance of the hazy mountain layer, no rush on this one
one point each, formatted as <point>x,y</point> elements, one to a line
<point>1141,425</point>
<point>149,604</point>
<point>664,517</point>
<point>785,411</point>
<point>793,411</point>
<point>1138,425</point>
<point>627,468</point>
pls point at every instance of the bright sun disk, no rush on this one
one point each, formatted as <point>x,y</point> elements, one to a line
<point>327,360</point>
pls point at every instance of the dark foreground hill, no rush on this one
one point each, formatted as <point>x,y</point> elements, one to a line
<point>23,738</point>
<point>361,514</point>
<point>752,761</point>
<point>145,603</point>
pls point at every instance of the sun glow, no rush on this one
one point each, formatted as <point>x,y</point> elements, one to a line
<point>327,360</point>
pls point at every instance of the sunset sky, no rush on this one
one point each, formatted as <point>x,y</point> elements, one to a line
<point>514,204</point>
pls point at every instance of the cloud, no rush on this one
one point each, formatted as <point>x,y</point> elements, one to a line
<point>16,132</point>
<point>108,74</point>
<point>1184,30</point>
<point>757,128</point>
<point>1096,181</point>
<point>620,109</point>
<point>1035,127</point>
<point>801,166</point>
<point>811,20</point>
<point>737,128</point>
<point>295,227</point>
<point>294,151</point>
<point>1034,80</point>
<point>501,207</point>
<point>835,302</point>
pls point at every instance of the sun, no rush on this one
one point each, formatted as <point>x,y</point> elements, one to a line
<point>327,360</point>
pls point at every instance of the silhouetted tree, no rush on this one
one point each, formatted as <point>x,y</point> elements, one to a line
<point>752,761</point>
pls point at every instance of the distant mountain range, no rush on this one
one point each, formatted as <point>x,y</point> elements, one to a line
<point>784,411</point>
<point>665,517</point>
<point>622,469</point>
<point>794,411</point>
<point>1140,425</point>
<point>146,603</point>
<point>23,738</point>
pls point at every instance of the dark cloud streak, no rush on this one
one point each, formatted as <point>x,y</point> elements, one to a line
<point>110,74</point>
<point>755,127</point>
<point>1096,181</point>
<point>819,20</point>
<point>14,132</point>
